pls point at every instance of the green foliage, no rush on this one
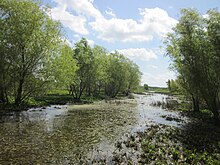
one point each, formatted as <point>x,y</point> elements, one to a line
<point>84,74</point>
<point>29,40</point>
<point>146,87</point>
<point>140,90</point>
<point>173,85</point>
<point>99,72</point>
<point>34,59</point>
<point>123,75</point>
<point>195,55</point>
<point>159,90</point>
<point>64,67</point>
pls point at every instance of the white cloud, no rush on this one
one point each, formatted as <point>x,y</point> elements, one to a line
<point>84,9</point>
<point>110,12</point>
<point>154,22</point>
<point>157,79</point>
<point>138,53</point>
<point>81,7</point>
<point>74,23</point>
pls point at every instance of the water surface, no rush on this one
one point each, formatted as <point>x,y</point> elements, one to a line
<point>71,133</point>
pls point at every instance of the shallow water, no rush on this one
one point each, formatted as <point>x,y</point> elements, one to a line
<point>71,134</point>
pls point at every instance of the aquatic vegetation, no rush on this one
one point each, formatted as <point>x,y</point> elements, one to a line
<point>162,144</point>
<point>122,131</point>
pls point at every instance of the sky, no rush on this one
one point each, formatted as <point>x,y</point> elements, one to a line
<point>135,28</point>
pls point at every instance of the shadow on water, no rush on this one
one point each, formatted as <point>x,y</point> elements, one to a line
<point>63,134</point>
<point>197,131</point>
<point>76,134</point>
<point>200,136</point>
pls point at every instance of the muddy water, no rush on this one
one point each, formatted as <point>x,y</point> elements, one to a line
<point>73,134</point>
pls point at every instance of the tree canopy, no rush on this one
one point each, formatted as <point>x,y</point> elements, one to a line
<point>194,50</point>
<point>34,58</point>
<point>29,39</point>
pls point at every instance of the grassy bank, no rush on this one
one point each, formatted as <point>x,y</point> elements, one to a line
<point>162,90</point>
<point>55,97</point>
<point>52,97</point>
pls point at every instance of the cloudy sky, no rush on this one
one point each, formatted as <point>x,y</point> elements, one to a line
<point>135,28</point>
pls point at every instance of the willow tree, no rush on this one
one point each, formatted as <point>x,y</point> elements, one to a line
<point>117,74</point>
<point>64,67</point>
<point>83,56</point>
<point>29,39</point>
<point>134,77</point>
<point>194,49</point>
<point>99,69</point>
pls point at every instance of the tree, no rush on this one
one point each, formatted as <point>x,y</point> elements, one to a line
<point>146,87</point>
<point>100,69</point>
<point>122,75</point>
<point>28,43</point>
<point>134,76</point>
<point>192,47</point>
<point>84,57</point>
<point>116,75</point>
<point>64,67</point>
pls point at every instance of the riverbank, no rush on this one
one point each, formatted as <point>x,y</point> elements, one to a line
<point>57,97</point>
<point>53,97</point>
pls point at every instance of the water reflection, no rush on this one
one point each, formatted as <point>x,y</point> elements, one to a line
<point>65,134</point>
<point>154,108</point>
<point>72,133</point>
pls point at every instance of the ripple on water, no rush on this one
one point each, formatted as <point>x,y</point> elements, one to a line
<point>65,134</point>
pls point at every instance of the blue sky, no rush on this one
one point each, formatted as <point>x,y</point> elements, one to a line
<point>135,28</point>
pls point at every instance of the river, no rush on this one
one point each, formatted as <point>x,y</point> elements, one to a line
<point>70,134</point>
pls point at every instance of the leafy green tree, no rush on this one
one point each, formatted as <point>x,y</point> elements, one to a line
<point>168,85</point>
<point>116,74</point>
<point>83,56</point>
<point>146,87</point>
<point>134,76</point>
<point>29,39</point>
<point>122,75</point>
<point>100,68</point>
<point>64,67</point>
<point>196,57</point>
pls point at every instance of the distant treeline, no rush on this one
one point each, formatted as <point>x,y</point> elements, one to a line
<point>35,58</point>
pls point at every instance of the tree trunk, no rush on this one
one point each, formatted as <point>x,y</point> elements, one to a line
<point>195,101</point>
<point>18,99</point>
<point>216,117</point>
<point>2,95</point>
<point>215,110</point>
<point>213,105</point>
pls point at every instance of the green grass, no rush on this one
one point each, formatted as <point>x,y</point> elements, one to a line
<point>58,92</point>
<point>159,90</point>
<point>52,99</point>
<point>140,90</point>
